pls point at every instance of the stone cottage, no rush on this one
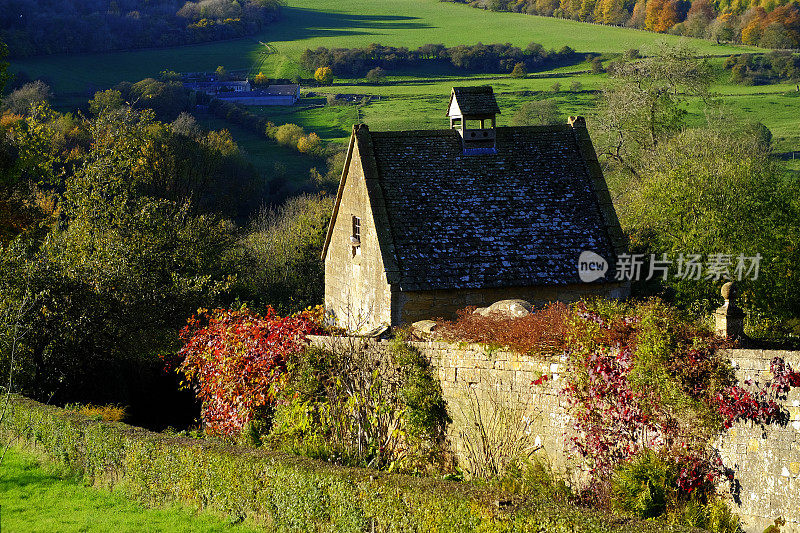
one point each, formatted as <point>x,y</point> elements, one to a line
<point>431,221</point>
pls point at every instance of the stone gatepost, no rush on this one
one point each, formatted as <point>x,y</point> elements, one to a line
<point>729,318</point>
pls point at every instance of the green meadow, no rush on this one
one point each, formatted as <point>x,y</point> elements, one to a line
<point>410,100</point>
<point>345,23</point>
<point>37,497</point>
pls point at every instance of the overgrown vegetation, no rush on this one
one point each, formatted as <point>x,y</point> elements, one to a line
<point>114,229</point>
<point>774,67</point>
<point>295,493</point>
<point>278,254</point>
<point>540,332</point>
<point>357,406</point>
<point>648,391</point>
<point>234,358</point>
<point>698,192</point>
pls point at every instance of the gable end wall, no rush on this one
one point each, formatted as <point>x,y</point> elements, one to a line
<point>356,291</point>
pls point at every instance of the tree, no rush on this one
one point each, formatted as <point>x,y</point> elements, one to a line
<point>186,125</point>
<point>114,270</point>
<point>324,75</point>
<point>653,14</point>
<point>310,143</point>
<point>167,100</point>
<point>668,17</point>
<point>716,190</point>
<point>27,97</point>
<point>519,71</point>
<point>221,73</point>
<point>260,80</point>
<point>537,113</point>
<point>613,12</point>
<point>720,30</point>
<point>376,75</point>
<point>289,134</point>
<point>278,258</point>
<point>642,106</point>
<point>3,69</point>
<point>169,75</point>
<point>105,101</point>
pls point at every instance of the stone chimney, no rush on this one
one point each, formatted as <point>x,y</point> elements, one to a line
<point>473,112</point>
<point>729,318</point>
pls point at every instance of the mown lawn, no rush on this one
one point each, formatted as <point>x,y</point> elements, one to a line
<point>410,99</point>
<point>37,497</point>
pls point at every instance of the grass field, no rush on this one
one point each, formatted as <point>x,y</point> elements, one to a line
<point>417,103</point>
<point>345,23</point>
<point>267,156</point>
<point>37,497</point>
<point>412,100</point>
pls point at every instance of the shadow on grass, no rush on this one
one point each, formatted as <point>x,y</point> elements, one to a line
<point>298,23</point>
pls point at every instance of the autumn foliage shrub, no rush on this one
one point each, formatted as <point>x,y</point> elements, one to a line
<point>541,332</point>
<point>233,358</point>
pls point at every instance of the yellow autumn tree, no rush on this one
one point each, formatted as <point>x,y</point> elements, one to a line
<point>260,80</point>
<point>309,144</point>
<point>614,12</point>
<point>324,75</point>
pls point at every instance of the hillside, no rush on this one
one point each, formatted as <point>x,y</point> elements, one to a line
<point>348,23</point>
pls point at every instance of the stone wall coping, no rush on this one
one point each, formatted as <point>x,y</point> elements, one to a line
<point>462,347</point>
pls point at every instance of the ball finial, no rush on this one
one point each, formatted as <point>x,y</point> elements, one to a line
<point>729,291</point>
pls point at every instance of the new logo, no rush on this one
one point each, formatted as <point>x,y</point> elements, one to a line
<point>591,266</point>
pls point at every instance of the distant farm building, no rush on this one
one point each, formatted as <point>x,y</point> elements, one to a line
<point>271,95</point>
<point>429,222</point>
<point>241,92</point>
<point>219,87</point>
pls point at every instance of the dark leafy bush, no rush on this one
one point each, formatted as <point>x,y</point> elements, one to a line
<point>354,405</point>
<point>645,485</point>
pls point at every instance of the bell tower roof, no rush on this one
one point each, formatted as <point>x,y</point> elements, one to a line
<point>472,112</point>
<point>473,102</point>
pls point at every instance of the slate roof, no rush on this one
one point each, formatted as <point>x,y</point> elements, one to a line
<point>475,100</point>
<point>519,217</point>
<point>283,90</point>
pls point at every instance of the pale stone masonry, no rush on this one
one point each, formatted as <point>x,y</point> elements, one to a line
<point>475,377</point>
<point>429,222</point>
<point>766,461</point>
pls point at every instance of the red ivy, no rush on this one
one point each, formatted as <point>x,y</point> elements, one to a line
<point>614,421</point>
<point>234,358</point>
<point>759,405</point>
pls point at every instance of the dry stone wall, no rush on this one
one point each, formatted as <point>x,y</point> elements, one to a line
<point>495,384</point>
<point>766,461</point>
<point>497,387</point>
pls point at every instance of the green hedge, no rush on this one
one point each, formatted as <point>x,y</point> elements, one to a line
<point>282,492</point>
